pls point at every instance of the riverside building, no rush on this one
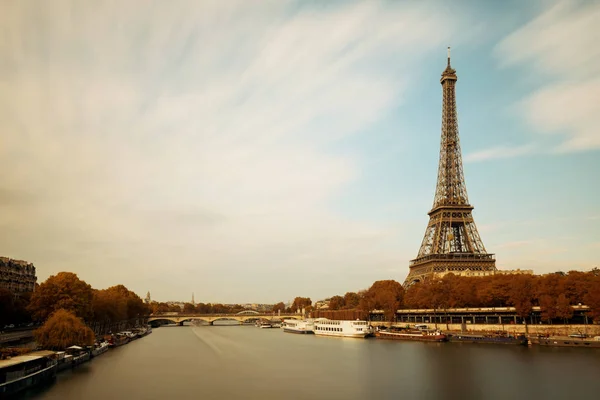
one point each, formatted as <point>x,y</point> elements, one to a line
<point>18,276</point>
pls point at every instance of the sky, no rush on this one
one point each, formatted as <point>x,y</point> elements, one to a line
<point>255,151</point>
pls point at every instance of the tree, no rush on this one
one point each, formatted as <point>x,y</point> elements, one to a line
<point>563,308</point>
<point>188,308</point>
<point>201,308</point>
<point>63,329</point>
<point>521,294</point>
<point>117,303</point>
<point>279,307</point>
<point>548,307</point>
<point>592,299</point>
<point>336,303</point>
<point>62,291</point>
<point>300,303</point>
<point>384,295</point>
<point>351,300</point>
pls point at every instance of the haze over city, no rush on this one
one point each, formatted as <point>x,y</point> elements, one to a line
<point>257,151</point>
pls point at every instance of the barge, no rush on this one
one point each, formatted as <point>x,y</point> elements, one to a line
<point>423,335</point>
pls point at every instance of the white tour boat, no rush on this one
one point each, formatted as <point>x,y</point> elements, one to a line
<point>293,326</point>
<point>354,329</point>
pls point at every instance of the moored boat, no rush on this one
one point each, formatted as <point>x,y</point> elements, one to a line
<point>99,348</point>
<point>265,325</point>
<point>26,371</point>
<point>493,338</point>
<point>303,327</point>
<point>117,340</point>
<point>352,329</point>
<point>80,355</point>
<point>566,341</point>
<point>141,332</point>
<point>411,334</point>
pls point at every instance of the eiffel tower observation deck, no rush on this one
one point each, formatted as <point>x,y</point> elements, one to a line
<point>451,242</point>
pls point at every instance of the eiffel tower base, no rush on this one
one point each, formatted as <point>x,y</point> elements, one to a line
<point>425,268</point>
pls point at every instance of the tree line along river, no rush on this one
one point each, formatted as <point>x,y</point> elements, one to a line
<point>243,362</point>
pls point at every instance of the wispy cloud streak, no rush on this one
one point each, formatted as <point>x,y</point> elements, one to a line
<point>179,135</point>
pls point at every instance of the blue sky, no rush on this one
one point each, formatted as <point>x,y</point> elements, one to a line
<point>258,151</point>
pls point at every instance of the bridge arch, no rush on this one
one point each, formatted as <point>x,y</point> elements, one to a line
<point>248,312</point>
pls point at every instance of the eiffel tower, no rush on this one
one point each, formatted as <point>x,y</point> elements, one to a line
<point>451,242</point>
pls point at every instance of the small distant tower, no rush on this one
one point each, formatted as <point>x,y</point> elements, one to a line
<point>148,300</point>
<point>193,302</point>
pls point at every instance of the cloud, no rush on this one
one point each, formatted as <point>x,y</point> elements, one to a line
<point>499,152</point>
<point>514,244</point>
<point>560,49</point>
<point>194,136</point>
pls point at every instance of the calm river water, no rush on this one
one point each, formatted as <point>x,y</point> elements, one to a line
<point>244,362</point>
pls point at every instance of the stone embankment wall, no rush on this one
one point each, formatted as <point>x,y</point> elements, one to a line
<point>554,330</point>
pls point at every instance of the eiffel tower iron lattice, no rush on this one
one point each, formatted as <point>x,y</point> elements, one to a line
<point>451,242</point>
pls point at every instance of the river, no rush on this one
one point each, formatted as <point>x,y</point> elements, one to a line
<point>244,362</point>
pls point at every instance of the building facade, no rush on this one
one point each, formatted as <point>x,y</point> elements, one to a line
<point>18,276</point>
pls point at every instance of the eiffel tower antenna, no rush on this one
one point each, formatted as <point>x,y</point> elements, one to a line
<point>451,242</point>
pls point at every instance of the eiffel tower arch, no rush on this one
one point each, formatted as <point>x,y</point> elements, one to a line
<point>451,242</point>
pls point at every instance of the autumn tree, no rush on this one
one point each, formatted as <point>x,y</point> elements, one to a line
<point>563,308</point>
<point>336,303</point>
<point>592,299</point>
<point>63,329</point>
<point>202,308</point>
<point>576,285</point>
<point>547,307</point>
<point>493,291</point>
<point>384,295</point>
<point>189,308</point>
<point>117,303</point>
<point>521,294</point>
<point>300,303</point>
<point>62,291</point>
<point>157,307</point>
<point>351,300</point>
<point>279,307</point>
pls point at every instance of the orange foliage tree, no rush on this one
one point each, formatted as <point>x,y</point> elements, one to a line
<point>300,302</point>
<point>553,293</point>
<point>117,303</point>
<point>351,300</point>
<point>62,291</point>
<point>384,295</point>
<point>336,303</point>
<point>279,307</point>
<point>63,329</point>
<point>592,299</point>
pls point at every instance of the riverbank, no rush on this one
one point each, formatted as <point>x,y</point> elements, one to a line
<point>25,369</point>
<point>514,329</point>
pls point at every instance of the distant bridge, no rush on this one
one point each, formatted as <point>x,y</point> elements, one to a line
<point>180,318</point>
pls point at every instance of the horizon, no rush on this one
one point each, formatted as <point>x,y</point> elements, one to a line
<point>268,156</point>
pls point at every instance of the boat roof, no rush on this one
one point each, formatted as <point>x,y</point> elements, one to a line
<point>24,358</point>
<point>75,348</point>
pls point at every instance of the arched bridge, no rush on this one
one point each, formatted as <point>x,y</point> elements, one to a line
<point>180,318</point>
